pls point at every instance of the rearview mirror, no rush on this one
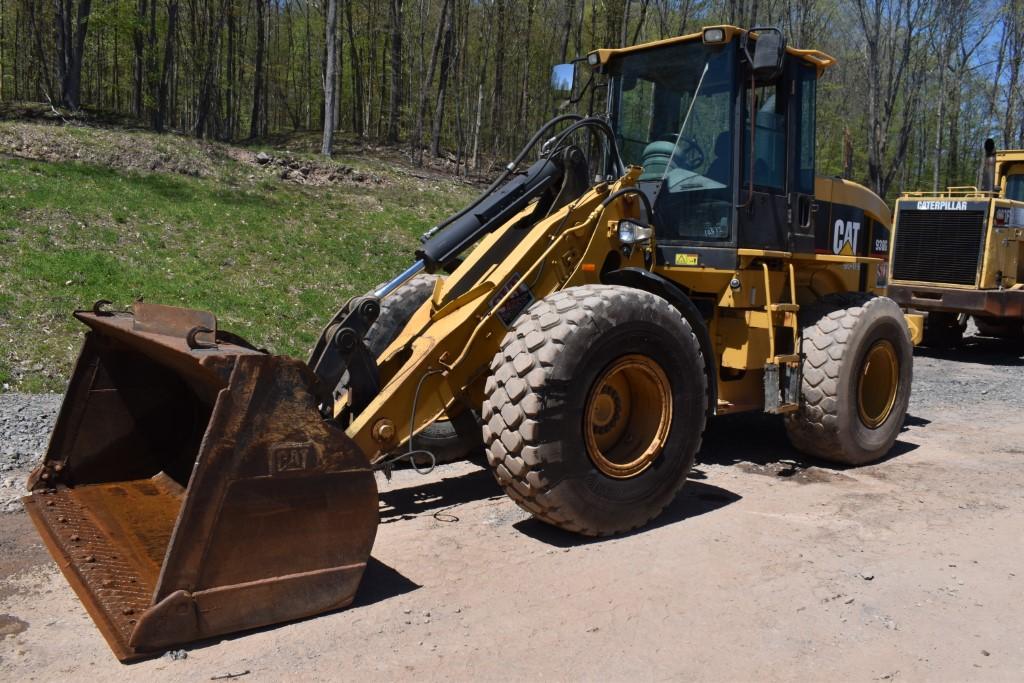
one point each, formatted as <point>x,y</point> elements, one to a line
<point>563,77</point>
<point>769,53</point>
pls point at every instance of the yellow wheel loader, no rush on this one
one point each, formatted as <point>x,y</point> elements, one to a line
<point>672,259</point>
<point>959,253</point>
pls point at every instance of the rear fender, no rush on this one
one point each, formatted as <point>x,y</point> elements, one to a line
<point>639,278</point>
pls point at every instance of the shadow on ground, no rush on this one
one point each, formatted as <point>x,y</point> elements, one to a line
<point>381,582</point>
<point>980,350</point>
<point>753,443</point>
<point>694,500</point>
<point>437,496</point>
<point>761,440</point>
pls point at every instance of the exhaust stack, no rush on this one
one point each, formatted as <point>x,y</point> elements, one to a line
<point>988,167</point>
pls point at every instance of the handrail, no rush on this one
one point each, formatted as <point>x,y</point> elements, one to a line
<point>958,191</point>
<point>820,59</point>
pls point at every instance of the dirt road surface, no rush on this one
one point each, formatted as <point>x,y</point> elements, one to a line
<point>767,567</point>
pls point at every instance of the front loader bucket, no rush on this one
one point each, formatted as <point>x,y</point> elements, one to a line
<point>192,489</point>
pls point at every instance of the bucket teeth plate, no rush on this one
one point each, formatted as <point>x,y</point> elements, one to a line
<point>110,558</point>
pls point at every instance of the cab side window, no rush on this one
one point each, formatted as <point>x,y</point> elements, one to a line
<point>807,80</point>
<point>1015,187</point>
<point>769,138</point>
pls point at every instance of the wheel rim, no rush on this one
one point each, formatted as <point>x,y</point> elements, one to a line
<point>879,384</point>
<point>627,416</point>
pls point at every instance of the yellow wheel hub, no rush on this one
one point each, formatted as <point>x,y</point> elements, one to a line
<point>879,384</point>
<point>627,416</point>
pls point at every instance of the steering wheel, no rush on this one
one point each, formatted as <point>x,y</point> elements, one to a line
<point>690,155</point>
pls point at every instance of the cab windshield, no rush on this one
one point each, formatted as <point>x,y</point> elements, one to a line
<point>673,111</point>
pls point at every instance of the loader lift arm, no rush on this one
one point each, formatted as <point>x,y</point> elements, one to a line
<point>340,358</point>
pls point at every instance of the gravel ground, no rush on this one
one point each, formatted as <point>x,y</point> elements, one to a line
<point>767,567</point>
<point>25,424</point>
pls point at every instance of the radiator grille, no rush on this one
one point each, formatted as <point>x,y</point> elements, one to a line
<point>938,246</point>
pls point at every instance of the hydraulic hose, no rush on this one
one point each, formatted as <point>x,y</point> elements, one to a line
<point>602,125</point>
<point>644,199</point>
<point>504,174</point>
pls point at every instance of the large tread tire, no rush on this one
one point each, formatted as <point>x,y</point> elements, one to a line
<point>838,333</point>
<point>535,397</point>
<point>441,437</point>
<point>396,309</point>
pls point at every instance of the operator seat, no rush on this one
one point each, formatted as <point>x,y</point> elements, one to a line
<point>655,159</point>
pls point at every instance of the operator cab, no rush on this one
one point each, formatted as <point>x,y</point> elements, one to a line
<point>681,109</point>
<point>1015,183</point>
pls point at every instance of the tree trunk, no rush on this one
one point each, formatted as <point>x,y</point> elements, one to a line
<point>210,71</point>
<point>70,40</point>
<point>357,78</point>
<point>138,45</point>
<point>3,45</point>
<point>442,86</point>
<point>232,103</point>
<point>614,13</point>
<point>425,90</point>
<point>939,130</point>
<point>307,67</point>
<point>329,80</point>
<point>395,97</point>
<point>153,83</point>
<point>163,101</point>
<point>499,79</point>
<point>475,160</point>
<point>258,121</point>
<point>338,77</point>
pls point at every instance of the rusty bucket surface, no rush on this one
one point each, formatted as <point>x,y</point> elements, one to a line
<point>191,487</point>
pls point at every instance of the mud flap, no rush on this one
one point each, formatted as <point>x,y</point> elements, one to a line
<point>191,487</point>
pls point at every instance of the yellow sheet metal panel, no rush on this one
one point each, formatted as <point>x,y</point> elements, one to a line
<point>915,323</point>
<point>750,292</point>
<point>840,191</point>
<point>745,392</point>
<point>743,346</point>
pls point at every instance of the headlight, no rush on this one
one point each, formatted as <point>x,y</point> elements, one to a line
<point>593,59</point>
<point>714,35</point>
<point>633,233</point>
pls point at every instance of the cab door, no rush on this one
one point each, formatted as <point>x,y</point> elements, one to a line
<point>801,203</point>
<point>762,206</point>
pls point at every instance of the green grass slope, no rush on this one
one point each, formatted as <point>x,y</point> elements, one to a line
<point>82,217</point>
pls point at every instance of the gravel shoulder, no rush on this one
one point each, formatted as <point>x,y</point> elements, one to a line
<point>767,567</point>
<point>25,424</point>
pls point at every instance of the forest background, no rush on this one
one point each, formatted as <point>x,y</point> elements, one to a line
<point>918,87</point>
